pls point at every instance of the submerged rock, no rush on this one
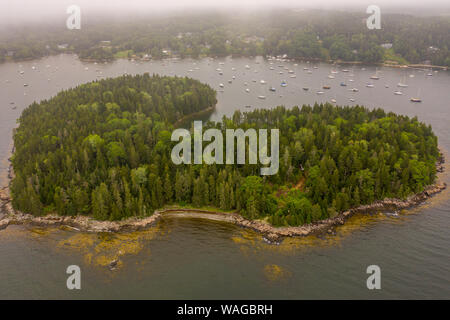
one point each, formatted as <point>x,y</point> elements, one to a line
<point>113,264</point>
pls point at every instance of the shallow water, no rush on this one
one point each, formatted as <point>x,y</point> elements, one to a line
<point>192,258</point>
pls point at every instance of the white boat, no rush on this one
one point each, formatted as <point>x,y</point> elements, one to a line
<point>370,85</point>
<point>330,77</point>
<point>291,71</point>
<point>247,90</point>
<point>320,92</point>
<point>262,82</point>
<point>261,97</point>
<point>247,66</point>
<point>293,76</point>
<point>398,93</point>
<point>352,100</point>
<point>333,100</point>
<point>375,76</point>
<point>402,85</point>
<point>354,90</point>
<point>415,99</point>
<point>221,85</point>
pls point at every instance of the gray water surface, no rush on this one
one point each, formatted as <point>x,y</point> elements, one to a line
<point>192,258</point>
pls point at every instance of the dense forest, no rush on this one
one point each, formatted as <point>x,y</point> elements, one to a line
<point>104,148</point>
<point>310,34</point>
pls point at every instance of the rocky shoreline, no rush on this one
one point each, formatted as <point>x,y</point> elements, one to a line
<point>271,234</point>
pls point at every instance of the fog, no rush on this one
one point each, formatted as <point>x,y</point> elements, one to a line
<point>13,12</point>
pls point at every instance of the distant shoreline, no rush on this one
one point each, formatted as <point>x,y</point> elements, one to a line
<point>270,233</point>
<point>298,59</point>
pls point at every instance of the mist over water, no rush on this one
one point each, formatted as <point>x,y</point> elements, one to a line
<point>23,12</point>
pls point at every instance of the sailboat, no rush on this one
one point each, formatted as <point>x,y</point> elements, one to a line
<point>402,84</point>
<point>375,76</point>
<point>416,99</point>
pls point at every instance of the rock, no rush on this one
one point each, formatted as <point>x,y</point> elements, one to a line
<point>4,223</point>
<point>113,264</point>
<point>272,238</point>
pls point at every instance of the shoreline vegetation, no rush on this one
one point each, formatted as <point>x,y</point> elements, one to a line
<point>270,233</point>
<point>316,35</point>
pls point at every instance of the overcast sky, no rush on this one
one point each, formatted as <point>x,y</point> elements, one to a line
<point>18,11</point>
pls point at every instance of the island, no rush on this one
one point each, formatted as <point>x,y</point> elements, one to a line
<point>101,152</point>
